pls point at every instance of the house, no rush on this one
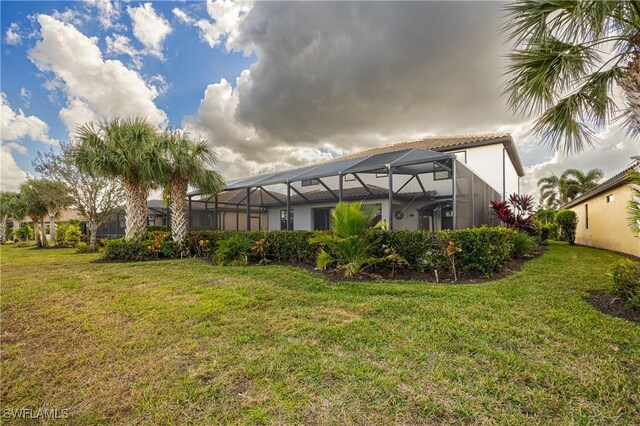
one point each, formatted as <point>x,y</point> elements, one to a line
<point>602,215</point>
<point>432,183</point>
<point>157,214</point>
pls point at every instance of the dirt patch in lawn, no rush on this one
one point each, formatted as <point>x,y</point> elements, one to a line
<point>614,306</point>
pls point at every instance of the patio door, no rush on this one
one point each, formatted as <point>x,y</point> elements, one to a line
<point>321,220</point>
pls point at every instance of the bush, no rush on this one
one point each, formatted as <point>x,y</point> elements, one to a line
<point>82,247</point>
<point>61,228</point>
<point>233,252</point>
<point>24,232</point>
<point>523,245</point>
<point>155,228</point>
<point>626,281</point>
<point>127,250</point>
<point>72,235</point>
<point>568,222</point>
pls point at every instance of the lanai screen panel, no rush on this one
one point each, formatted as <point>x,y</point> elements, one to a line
<point>463,200</point>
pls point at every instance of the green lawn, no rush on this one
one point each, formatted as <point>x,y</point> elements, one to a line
<point>184,342</point>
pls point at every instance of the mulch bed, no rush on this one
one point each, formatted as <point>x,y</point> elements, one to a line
<point>405,274</point>
<point>612,305</point>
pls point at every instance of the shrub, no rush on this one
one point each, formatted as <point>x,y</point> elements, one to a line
<point>72,235</point>
<point>233,252</point>
<point>568,222</point>
<point>516,212</point>
<point>24,232</point>
<point>349,247</point>
<point>82,247</point>
<point>522,245</point>
<point>127,250</point>
<point>61,228</point>
<point>169,249</point>
<point>626,281</point>
<point>155,228</point>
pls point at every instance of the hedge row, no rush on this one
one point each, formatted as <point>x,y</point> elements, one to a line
<point>140,250</point>
<point>483,250</point>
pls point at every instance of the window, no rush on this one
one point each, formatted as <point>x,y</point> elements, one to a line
<point>309,182</point>
<point>283,219</point>
<point>349,178</point>
<point>610,198</point>
<point>586,216</point>
<point>441,173</point>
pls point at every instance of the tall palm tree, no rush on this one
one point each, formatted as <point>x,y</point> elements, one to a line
<point>575,182</point>
<point>187,162</point>
<point>569,57</point>
<point>126,149</point>
<point>549,191</point>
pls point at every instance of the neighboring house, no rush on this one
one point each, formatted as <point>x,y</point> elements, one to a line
<point>437,183</point>
<point>158,214</point>
<point>602,215</point>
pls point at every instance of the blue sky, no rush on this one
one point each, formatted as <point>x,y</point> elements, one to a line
<point>270,85</point>
<point>189,64</point>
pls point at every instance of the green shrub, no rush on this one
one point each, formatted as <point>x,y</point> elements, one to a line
<point>61,228</point>
<point>127,250</point>
<point>568,222</point>
<point>626,281</point>
<point>72,235</point>
<point>155,228</point>
<point>24,232</point>
<point>82,247</point>
<point>522,245</point>
<point>169,249</point>
<point>233,252</point>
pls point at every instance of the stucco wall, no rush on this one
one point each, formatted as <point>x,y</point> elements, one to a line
<point>608,227</point>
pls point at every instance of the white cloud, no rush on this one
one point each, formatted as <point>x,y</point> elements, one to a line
<point>108,13</point>
<point>149,27</point>
<point>120,44</point>
<point>182,16</point>
<point>223,25</point>
<point>93,86</point>
<point>11,175</point>
<point>69,16</point>
<point>15,126</point>
<point>25,96</point>
<point>12,36</point>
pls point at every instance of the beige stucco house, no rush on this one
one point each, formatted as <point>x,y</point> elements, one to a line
<point>602,215</point>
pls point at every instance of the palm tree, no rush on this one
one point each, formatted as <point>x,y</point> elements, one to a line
<point>555,191</point>
<point>575,182</point>
<point>186,163</point>
<point>16,210</point>
<point>126,149</point>
<point>55,196</point>
<point>569,58</point>
<point>549,191</point>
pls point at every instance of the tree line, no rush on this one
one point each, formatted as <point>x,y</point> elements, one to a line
<point>111,163</point>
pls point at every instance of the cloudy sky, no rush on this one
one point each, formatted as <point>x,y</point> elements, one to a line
<point>269,85</point>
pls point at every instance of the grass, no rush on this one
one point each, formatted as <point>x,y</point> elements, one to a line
<point>182,341</point>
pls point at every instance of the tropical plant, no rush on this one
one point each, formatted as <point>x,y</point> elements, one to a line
<point>575,182</point>
<point>23,232</point>
<point>568,222</point>
<point>128,150</point>
<point>633,208</point>
<point>55,195</point>
<point>233,252</point>
<point>95,197</point>
<point>569,59</point>
<point>72,235</point>
<point>348,246</point>
<point>516,212</point>
<point>187,162</point>
<point>555,190</point>
<point>16,210</point>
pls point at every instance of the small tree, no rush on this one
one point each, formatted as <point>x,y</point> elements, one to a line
<point>568,222</point>
<point>6,200</point>
<point>96,198</point>
<point>36,208</point>
<point>17,210</point>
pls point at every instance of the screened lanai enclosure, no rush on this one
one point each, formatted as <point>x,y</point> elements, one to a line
<point>414,189</point>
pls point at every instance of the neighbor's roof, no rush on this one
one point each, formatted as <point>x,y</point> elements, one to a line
<point>608,184</point>
<point>450,143</point>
